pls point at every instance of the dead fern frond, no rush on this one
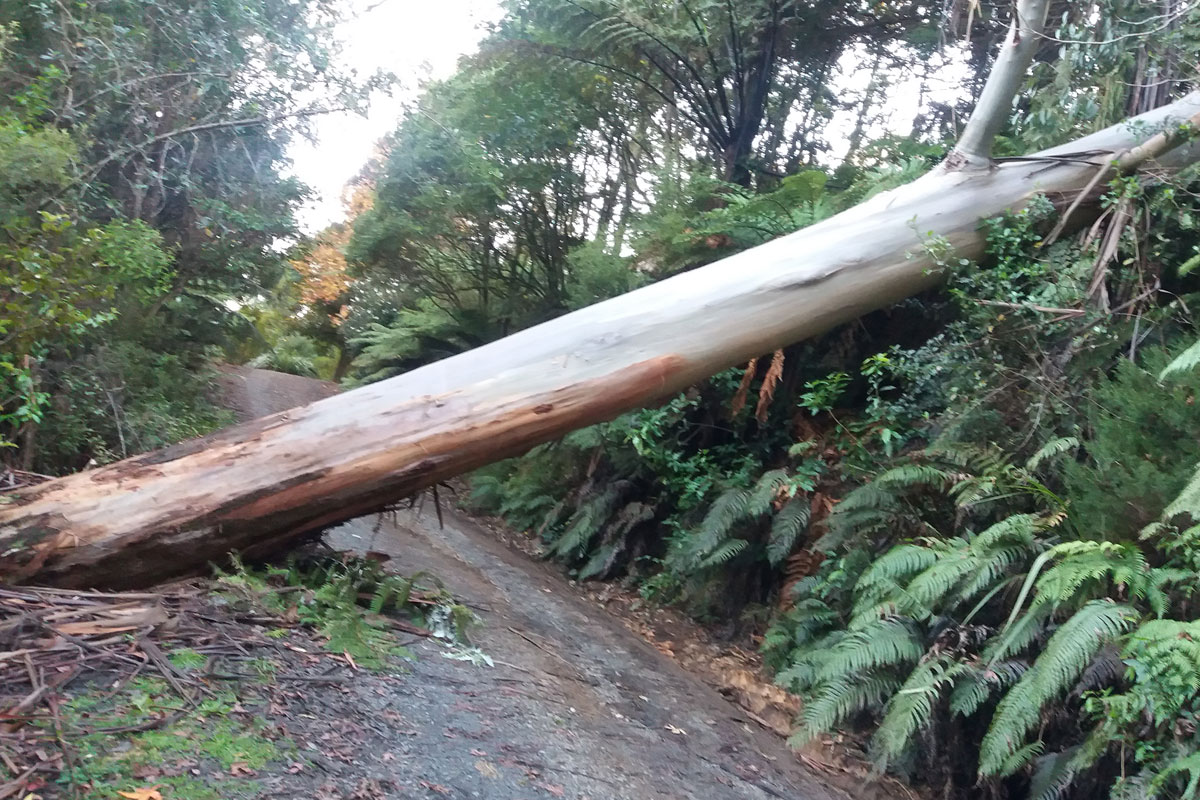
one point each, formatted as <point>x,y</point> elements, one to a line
<point>767,393</point>
<point>739,397</point>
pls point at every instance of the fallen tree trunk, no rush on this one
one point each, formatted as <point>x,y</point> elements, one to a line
<point>260,484</point>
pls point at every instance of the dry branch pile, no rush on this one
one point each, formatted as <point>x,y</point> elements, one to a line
<point>50,638</point>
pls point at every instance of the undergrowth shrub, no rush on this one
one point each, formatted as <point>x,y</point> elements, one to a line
<point>124,399</point>
<point>347,600</point>
<point>1007,622</point>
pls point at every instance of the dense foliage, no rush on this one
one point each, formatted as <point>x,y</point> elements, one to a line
<point>962,526</point>
<point>142,198</point>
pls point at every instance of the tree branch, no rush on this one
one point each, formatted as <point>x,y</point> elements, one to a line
<point>974,148</point>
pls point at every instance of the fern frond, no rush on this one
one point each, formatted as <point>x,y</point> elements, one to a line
<point>1184,362</point>
<point>911,708</point>
<point>726,511</point>
<point>1188,765</point>
<point>993,573</point>
<point>1021,757</point>
<point>599,561</point>
<point>934,584</point>
<point>886,642</point>
<point>979,684</point>
<point>837,701</point>
<point>1018,635</point>
<point>910,476</point>
<point>899,564</point>
<point>808,661</point>
<point>1017,528</point>
<point>1050,450</point>
<point>1067,654</point>
<point>1053,775</point>
<point>765,490</point>
<point>584,524</point>
<point>724,553</point>
<point>789,523</point>
<point>1087,564</point>
<point>1187,501</point>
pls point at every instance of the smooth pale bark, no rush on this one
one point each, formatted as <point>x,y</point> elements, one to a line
<point>994,106</point>
<point>254,487</point>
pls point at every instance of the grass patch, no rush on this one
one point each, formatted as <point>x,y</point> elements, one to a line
<point>210,753</point>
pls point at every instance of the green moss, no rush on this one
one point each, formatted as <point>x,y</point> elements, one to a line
<point>205,744</point>
<point>186,658</point>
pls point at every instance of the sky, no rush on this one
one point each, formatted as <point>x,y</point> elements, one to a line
<point>415,39</point>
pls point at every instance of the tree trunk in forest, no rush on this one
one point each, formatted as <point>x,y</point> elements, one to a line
<point>256,486</point>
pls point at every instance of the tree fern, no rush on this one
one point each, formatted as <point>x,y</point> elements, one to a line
<point>1067,654</point>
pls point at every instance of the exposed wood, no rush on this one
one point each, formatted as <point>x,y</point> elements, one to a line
<point>258,485</point>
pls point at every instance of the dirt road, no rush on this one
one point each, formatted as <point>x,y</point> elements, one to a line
<point>574,705</point>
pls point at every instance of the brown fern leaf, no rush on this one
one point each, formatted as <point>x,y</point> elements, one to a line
<point>739,397</point>
<point>767,393</point>
<point>799,565</point>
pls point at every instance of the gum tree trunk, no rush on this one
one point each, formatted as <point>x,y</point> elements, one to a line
<point>256,486</point>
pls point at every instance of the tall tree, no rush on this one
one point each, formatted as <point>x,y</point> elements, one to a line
<point>723,66</point>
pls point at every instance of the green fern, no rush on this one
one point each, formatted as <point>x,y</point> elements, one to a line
<point>786,528</point>
<point>709,545</point>
<point>886,642</point>
<point>914,476</point>
<point>585,523</point>
<point>1067,654</point>
<point>724,553</point>
<point>838,701</point>
<point>911,708</point>
<point>1051,450</point>
<point>1187,502</point>
<point>979,684</point>
<point>1186,766</point>
<point>1087,567</point>
<point>1186,361</point>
